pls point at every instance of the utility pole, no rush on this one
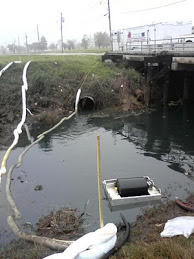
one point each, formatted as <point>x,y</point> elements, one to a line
<point>26,43</point>
<point>14,47</point>
<point>18,41</point>
<point>110,31</point>
<point>38,33</point>
<point>62,21</point>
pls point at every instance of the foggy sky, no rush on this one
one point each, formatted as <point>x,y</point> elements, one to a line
<point>21,17</point>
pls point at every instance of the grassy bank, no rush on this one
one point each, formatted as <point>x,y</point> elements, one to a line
<point>53,82</point>
<point>144,242</point>
<point>48,72</point>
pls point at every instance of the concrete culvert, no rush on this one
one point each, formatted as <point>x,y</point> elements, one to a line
<point>86,103</point>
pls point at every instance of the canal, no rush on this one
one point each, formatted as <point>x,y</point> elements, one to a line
<point>157,143</point>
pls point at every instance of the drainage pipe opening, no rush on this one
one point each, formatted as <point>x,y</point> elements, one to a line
<point>86,103</point>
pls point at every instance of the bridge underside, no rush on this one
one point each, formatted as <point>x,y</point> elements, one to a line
<point>175,73</point>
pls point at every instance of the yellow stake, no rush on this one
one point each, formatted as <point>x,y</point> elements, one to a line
<point>99,183</point>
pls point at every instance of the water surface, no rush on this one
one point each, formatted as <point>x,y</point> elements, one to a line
<point>159,144</point>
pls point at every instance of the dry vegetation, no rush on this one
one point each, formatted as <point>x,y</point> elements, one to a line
<point>145,241</point>
<point>63,223</point>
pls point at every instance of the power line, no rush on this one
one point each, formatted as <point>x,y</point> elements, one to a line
<point>153,8</point>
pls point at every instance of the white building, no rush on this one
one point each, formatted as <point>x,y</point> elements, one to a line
<point>150,35</point>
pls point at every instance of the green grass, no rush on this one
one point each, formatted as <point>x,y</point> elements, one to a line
<point>69,64</point>
<point>77,67</point>
<point>47,72</point>
<point>50,55</point>
<point>94,50</point>
<point>21,249</point>
<point>167,248</point>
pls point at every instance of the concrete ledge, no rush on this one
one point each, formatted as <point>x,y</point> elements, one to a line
<point>183,60</point>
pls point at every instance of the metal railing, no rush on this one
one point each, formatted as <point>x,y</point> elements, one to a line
<point>185,44</point>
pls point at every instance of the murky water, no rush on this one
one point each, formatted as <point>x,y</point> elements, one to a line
<point>159,144</point>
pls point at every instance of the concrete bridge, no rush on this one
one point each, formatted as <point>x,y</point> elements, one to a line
<point>173,65</point>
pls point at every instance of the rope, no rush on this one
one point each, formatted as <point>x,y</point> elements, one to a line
<point>11,201</point>
<point>18,130</point>
<point>7,66</point>
<point>52,243</point>
<point>49,242</point>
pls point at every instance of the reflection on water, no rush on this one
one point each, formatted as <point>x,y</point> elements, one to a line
<point>167,135</point>
<point>159,144</point>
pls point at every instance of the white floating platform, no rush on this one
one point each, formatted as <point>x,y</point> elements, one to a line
<point>115,199</point>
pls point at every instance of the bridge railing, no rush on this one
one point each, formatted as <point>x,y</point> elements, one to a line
<point>185,44</point>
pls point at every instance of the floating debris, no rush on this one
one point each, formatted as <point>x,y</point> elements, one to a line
<point>38,188</point>
<point>61,222</point>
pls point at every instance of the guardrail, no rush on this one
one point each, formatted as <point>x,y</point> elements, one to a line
<point>173,45</point>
